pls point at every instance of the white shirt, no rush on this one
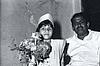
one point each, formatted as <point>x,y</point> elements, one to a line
<point>84,52</point>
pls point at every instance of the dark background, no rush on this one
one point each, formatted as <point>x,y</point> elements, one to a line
<point>92,8</point>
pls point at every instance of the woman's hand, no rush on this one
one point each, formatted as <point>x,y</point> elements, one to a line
<point>36,35</point>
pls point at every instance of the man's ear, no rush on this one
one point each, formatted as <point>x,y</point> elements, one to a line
<point>73,28</point>
<point>88,24</point>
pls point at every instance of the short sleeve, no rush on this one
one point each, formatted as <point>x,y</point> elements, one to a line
<point>99,48</point>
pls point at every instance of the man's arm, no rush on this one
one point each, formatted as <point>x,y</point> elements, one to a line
<point>65,59</point>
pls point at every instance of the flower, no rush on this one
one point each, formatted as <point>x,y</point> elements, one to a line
<point>33,47</point>
<point>42,51</point>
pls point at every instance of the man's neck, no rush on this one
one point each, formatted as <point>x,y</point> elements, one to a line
<point>83,36</point>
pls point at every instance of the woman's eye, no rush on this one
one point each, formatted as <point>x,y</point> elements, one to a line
<point>48,29</point>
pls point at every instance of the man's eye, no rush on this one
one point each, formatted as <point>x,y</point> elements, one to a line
<point>49,29</point>
<point>42,29</point>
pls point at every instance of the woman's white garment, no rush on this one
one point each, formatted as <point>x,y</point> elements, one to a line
<point>55,55</point>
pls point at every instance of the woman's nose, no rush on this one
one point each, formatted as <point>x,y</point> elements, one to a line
<point>46,31</point>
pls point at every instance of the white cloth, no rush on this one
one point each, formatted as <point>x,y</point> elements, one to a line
<point>56,53</point>
<point>84,52</point>
<point>46,17</point>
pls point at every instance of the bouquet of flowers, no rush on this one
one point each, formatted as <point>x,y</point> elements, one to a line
<point>38,48</point>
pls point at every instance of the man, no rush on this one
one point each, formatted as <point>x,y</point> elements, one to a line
<point>84,46</point>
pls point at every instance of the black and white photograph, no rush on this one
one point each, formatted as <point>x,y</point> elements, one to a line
<point>49,33</point>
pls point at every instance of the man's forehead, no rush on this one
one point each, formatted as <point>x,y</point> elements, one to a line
<point>79,18</point>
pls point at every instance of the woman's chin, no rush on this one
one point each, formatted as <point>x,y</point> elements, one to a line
<point>46,38</point>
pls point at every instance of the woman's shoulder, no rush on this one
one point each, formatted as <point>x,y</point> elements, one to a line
<point>57,40</point>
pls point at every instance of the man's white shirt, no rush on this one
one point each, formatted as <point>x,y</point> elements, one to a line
<point>84,52</point>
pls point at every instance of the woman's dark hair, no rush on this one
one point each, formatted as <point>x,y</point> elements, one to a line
<point>45,22</point>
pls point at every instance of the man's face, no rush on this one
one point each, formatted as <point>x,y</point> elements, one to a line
<point>46,31</point>
<point>80,25</point>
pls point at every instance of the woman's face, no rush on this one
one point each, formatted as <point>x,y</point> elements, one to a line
<point>46,31</point>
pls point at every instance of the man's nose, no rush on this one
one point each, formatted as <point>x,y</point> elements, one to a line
<point>79,24</point>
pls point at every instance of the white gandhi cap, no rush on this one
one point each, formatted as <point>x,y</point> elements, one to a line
<point>46,17</point>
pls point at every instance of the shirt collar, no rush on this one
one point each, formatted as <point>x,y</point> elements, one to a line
<point>88,37</point>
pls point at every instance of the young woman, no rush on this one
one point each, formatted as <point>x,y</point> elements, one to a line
<point>45,30</point>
